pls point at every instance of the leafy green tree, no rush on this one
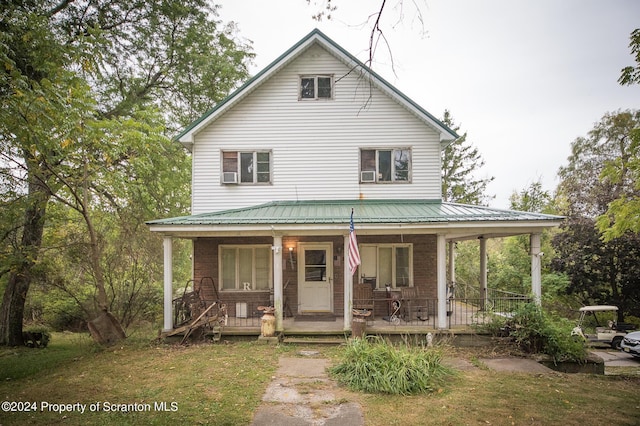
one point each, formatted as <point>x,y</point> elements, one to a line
<point>511,261</point>
<point>631,74</point>
<point>461,162</point>
<point>78,75</point>
<point>600,270</point>
<point>623,214</point>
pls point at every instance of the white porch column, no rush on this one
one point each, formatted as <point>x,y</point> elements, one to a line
<point>536,274</point>
<point>441,261</point>
<point>348,285</point>
<point>483,272</point>
<point>277,282</point>
<point>452,262</point>
<point>168,283</point>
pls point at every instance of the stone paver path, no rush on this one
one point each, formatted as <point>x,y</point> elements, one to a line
<point>301,393</point>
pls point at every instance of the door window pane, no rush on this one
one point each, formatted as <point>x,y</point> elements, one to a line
<point>315,268</point>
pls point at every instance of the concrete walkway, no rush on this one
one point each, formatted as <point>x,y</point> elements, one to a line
<point>301,394</point>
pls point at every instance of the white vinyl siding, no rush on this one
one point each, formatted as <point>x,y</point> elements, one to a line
<point>315,146</point>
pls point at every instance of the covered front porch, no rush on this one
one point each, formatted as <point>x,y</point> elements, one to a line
<point>408,250</point>
<point>401,317</point>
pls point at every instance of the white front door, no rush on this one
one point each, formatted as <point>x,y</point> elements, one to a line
<point>315,277</point>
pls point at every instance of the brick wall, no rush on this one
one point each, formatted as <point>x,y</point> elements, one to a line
<point>206,265</point>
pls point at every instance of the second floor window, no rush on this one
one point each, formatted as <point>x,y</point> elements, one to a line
<point>316,87</point>
<point>246,167</point>
<point>385,165</point>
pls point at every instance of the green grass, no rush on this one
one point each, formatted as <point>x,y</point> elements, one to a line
<point>222,384</point>
<point>208,384</point>
<point>18,363</point>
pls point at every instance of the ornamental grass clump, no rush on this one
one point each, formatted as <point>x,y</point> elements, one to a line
<point>377,366</point>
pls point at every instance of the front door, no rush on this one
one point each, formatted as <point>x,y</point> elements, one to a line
<point>315,290</point>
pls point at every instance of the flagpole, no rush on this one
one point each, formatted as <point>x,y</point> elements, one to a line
<point>348,286</point>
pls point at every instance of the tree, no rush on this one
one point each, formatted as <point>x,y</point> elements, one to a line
<point>600,271</point>
<point>631,74</point>
<point>377,22</point>
<point>460,162</point>
<point>76,73</point>
<point>510,263</point>
<point>623,214</point>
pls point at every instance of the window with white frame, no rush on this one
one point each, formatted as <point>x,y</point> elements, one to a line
<point>389,264</point>
<point>316,87</point>
<point>249,167</point>
<point>385,165</point>
<point>245,267</point>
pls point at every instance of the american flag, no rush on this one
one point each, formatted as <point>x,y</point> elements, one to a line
<point>354,253</point>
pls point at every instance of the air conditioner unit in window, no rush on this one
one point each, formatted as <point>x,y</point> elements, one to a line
<point>369,176</point>
<point>229,177</point>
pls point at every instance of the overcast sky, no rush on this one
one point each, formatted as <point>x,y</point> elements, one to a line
<point>524,79</point>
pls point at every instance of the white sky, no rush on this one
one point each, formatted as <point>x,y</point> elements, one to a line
<point>523,78</point>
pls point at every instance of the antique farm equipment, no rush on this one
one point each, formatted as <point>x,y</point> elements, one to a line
<point>194,315</point>
<point>268,321</point>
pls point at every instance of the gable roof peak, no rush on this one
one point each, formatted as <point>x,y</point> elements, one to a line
<point>187,136</point>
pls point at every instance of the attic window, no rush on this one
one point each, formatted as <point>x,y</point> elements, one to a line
<point>316,87</point>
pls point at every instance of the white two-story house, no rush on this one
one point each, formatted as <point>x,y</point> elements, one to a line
<point>281,163</point>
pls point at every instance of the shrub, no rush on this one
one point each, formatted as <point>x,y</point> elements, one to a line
<point>36,336</point>
<point>535,331</point>
<point>373,365</point>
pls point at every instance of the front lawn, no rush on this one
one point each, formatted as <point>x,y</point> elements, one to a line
<point>222,384</point>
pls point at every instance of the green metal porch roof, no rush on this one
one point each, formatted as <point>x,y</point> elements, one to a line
<point>365,212</point>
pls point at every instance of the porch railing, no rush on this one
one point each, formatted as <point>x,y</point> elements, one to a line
<point>421,312</point>
<point>417,312</point>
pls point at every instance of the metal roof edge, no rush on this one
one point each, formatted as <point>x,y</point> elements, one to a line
<point>550,216</point>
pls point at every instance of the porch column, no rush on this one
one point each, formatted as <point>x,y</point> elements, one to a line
<point>483,272</point>
<point>168,283</point>
<point>536,275</point>
<point>441,261</point>
<point>452,262</point>
<point>348,285</point>
<point>277,282</point>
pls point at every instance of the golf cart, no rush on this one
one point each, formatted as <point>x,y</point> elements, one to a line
<point>611,334</point>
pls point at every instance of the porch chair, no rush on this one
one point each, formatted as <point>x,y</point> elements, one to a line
<point>363,298</point>
<point>414,304</point>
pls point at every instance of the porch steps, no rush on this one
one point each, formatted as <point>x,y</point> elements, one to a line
<point>314,340</point>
